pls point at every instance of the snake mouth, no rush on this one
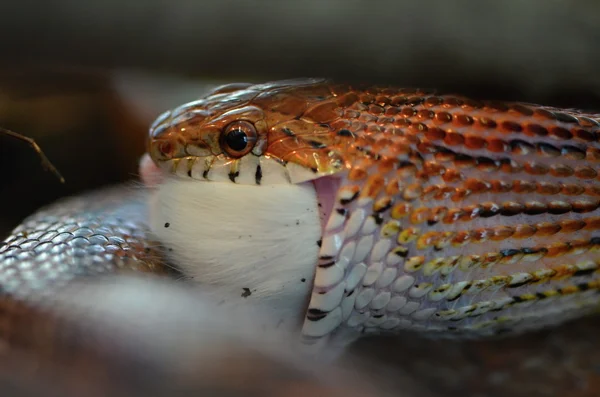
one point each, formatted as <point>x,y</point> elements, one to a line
<point>247,170</point>
<point>150,174</point>
<point>177,196</point>
<point>326,189</point>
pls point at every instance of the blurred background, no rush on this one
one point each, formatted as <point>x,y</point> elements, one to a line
<point>85,79</point>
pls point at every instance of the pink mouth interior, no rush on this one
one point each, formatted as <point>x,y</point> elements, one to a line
<point>150,174</point>
<point>326,188</point>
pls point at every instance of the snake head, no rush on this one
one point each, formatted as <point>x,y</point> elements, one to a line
<point>266,133</point>
<point>259,244</point>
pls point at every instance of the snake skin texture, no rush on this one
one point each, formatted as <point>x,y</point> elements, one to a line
<point>450,215</point>
<point>89,235</point>
<point>456,217</point>
<point>86,309</point>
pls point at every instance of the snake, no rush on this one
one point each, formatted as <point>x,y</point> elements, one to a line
<point>338,211</point>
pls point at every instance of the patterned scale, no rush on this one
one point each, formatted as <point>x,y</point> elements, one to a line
<point>93,234</point>
<point>454,215</point>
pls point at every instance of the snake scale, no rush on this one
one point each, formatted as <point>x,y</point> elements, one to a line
<point>342,210</point>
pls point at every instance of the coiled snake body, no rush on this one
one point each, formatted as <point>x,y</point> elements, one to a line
<point>343,210</point>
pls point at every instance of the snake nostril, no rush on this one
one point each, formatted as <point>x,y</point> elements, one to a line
<point>166,148</point>
<point>163,149</point>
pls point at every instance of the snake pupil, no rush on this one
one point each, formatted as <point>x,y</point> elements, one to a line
<point>236,140</point>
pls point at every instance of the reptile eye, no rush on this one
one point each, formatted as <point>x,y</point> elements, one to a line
<point>238,138</point>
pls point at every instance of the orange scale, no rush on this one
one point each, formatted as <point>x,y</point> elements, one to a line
<point>592,190</point>
<point>571,225</point>
<point>561,170</point>
<point>373,186</point>
<point>400,210</point>
<point>452,175</point>
<point>476,142</point>
<point>393,187</point>
<point>545,229</point>
<point>357,174</point>
<point>454,139</point>
<point>502,233</point>
<point>524,231</point>
<point>592,223</point>
<point>585,172</point>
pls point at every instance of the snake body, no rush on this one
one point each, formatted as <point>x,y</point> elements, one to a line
<point>79,318</point>
<point>438,213</point>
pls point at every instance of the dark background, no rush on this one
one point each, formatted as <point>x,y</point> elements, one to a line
<point>85,78</point>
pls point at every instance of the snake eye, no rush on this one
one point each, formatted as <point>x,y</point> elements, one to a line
<point>238,138</point>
